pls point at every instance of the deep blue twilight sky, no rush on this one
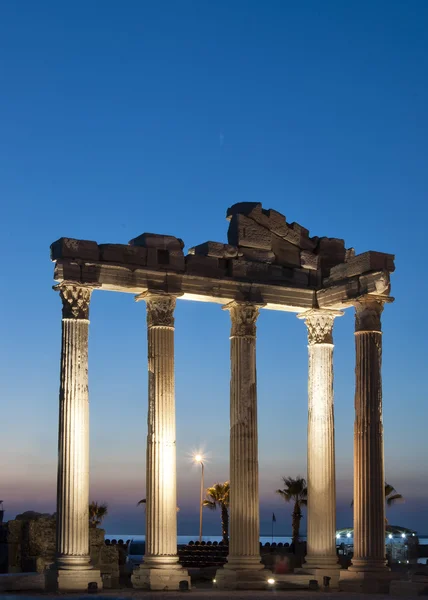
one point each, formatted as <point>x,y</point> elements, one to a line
<point>124,117</point>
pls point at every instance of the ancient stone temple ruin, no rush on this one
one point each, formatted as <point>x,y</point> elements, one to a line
<point>267,264</point>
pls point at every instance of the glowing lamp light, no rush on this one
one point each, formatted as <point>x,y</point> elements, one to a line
<point>271,581</point>
<point>214,580</point>
<point>403,535</point>
<point>413,534</point>
<point>348,535</point>
<point>198,458</point>
<point>390,536</point>
<point>337,536</point>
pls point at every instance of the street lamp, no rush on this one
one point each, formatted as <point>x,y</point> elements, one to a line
<point>198,459</point>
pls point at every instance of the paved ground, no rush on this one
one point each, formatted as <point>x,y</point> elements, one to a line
<point>205,594</point>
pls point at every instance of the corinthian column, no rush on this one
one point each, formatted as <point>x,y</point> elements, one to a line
<point>243,562</point>
<point>73,568</point>
<point>369,478</point>
<point>321,534</point>
<point>160,569</point>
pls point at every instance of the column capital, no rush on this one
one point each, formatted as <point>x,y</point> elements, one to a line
<point>320,324</point>
<point>160,307</point>
<point>368,311</point>
<point>75,299</point>
<point>244,316</point>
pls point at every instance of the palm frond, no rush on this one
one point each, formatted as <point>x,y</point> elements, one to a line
<point>396,498</point>
<point>209,504</point>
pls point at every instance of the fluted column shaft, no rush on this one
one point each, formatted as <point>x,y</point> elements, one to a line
<point>369,477</point>
<point>73,438</point>
<point>161,492</point>
<point>244,550</point>
<point>321,513</point>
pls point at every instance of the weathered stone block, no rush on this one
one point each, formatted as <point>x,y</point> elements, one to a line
<point>72,248</point>
<point>245,232</point>
<point>332,252</point>
<point>278,273</point>
<point>243,208</point>
<point>301,277</point>
<point>158,258</point>
<point>362,263</point>
<point>257,255</point>
<point>207,266</point>
<point>215,249</point>
<point>309,260</point>
<point>124,254</point>
<point>90,273</point>
<point>156,240</point>
<point>255,271</point>
<point>286,253</point>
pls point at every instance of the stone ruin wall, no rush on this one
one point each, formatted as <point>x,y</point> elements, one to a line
<point>29,546</point>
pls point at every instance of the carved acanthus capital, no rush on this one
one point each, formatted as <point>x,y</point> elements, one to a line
<point>368,312</point>
<point>320,325</point>
<point>160,308</point>
<point>244,316</point>
<point>75,300</point>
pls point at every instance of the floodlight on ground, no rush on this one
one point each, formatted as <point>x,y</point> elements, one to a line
<point>271,581</point>
<point>214,580</point>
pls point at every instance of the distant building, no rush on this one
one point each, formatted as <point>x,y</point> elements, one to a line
<point>401,543</point>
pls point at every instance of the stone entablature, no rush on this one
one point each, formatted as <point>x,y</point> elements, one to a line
<point>267,261</point>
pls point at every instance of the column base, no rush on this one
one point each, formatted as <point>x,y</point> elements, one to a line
<point>369,566</point>
<point>318,573</point>
<point>67,580</point>
<point>366,581</point>
<point>169,579</point>
<point>243,573</point>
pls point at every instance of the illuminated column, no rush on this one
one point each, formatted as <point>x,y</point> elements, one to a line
<point>243,562</point>
<point>160,569</point>
<point>321,534</point>
<point>369,479</point>
<point>73,569</point>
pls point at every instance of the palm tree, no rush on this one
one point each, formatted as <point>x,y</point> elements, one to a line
<point>219,494</point>
<point>391,497</point>
<point>295,490</point>
<point>97,512</point>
